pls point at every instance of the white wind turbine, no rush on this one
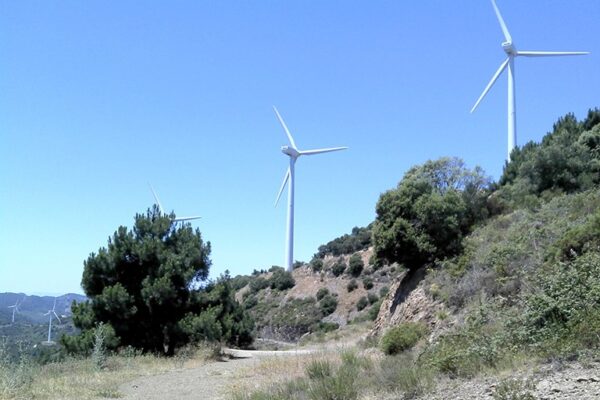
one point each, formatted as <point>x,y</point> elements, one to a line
<point>293,152</point>
<point>512,52</point>
<point>179,219</point>
<point>15,309</point>
<point>52,314</point>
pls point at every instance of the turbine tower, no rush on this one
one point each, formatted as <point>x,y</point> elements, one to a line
<point>293,152</point>
<point>52,314</point>
<point>180,219</point>
<point>512,52</point>
<point>15,308</point>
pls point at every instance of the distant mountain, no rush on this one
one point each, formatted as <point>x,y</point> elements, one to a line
<point>33,308</point>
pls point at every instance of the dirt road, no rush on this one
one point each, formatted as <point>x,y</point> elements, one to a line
<point>212,381</point>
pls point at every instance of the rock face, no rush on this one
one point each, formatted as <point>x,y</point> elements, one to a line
<point>407,301</point>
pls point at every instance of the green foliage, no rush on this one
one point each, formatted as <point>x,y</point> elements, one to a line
<point>258,283</point>
<point>295,317</point>
<point>239,281</point>
<point>566,161</point>
<point>338,268</point>
<point>322,292</point>
<point>281,280</point>
<point>374,310</point>
<point>319,369</point>
<point>580,239</point>
<point>327,327</point>
<point>402,337</point>
<point>368,283</point>
<point>563,311</point>
<point>401,373</point>
<point>384,291</point>
<point>316,264</point>
<point>427,215</point>
<point>359,239</point>
<point>372,297</point>
<point>351,285</point>
<point>362,303</point>
<point>355,265</point>
<point>141,287</point>
<point>328,304</point>
<point>99,350</point>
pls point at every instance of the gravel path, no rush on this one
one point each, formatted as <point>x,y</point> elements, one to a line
<point>207,382</point>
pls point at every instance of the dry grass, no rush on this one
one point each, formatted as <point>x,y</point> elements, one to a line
<point>78,379</point>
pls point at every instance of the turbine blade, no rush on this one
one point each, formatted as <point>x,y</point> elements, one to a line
<point>156,199</point>
<point>186,218</point>
<point>285,128</point>
<point>48,313</point>
<point>502,23</point>
<point>285,179</point>
<point>319,151</point>
<point>551,53</point>
<point>59,321</point>
<point>492,81</point>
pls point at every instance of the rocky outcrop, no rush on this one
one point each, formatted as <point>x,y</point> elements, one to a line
<point>407,301</point>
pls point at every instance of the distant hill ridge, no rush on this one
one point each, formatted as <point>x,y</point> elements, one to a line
<point>32,308</point>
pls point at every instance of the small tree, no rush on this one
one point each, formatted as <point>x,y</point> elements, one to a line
<point>281,280</point>
<point>338,268</point>
<point>328,305</point>
<point>352,285</point>
<point>355,265</point>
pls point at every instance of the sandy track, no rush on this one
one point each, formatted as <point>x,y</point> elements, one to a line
<point>207,382</point>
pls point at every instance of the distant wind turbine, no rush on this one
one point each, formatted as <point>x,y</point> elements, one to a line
<point>180,219</point>
<point>293,152</point>
<point>52,314</point>
<point>512,52</point>
<point>15,309</point>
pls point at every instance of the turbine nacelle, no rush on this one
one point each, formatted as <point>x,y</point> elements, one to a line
<point>290,151</point>
<point>510,49</point>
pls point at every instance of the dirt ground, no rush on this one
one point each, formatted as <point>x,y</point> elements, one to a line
<point>212,381</point>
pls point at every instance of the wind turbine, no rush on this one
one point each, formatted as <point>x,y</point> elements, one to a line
<point>52,313</point>
<point>15,308</point>
<point>512,52</point>
<point>180,219</point>
<point>293,152</point>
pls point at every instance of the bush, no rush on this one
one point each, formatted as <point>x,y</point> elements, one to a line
<point>327,327</point>
<point>359,239</point>
<point>374,310</point>
<point>384,291</point>
<point>281,280</point>
<point>400,373</point>
<point>362,303</point>
<point>257,284</point>
<point>356,265</point>
<point>338,268</point>
<point>372,297</point>
<point>316,265</point>
<point>426,217</point>
<point>402,337</point>
<point>368,283</point>
<point>319,369</point>
<point>328,305</point>
<point>351,285</point>
<point>322,292</point>
<point>514,389</point>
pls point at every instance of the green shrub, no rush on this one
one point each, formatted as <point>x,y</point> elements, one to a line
<point>327,327</point>
<point>316,265</point>
<point>338,268</point>
<point>362,303</point>
<point>328,305</point>
<point>372,298</point>
<point>258,283</point>
<point>281,280</point>
<point>402,337</point>
<point>368,283</point>
<point>355,265</point>
<point>374,310</point>
<point>384,291</point>
<point>322,292</point>
<point>401,373</point>
<point>351,285</point>
<point>319,369</point>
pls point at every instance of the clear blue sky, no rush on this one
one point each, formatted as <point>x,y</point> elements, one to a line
<point>98,98</point>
